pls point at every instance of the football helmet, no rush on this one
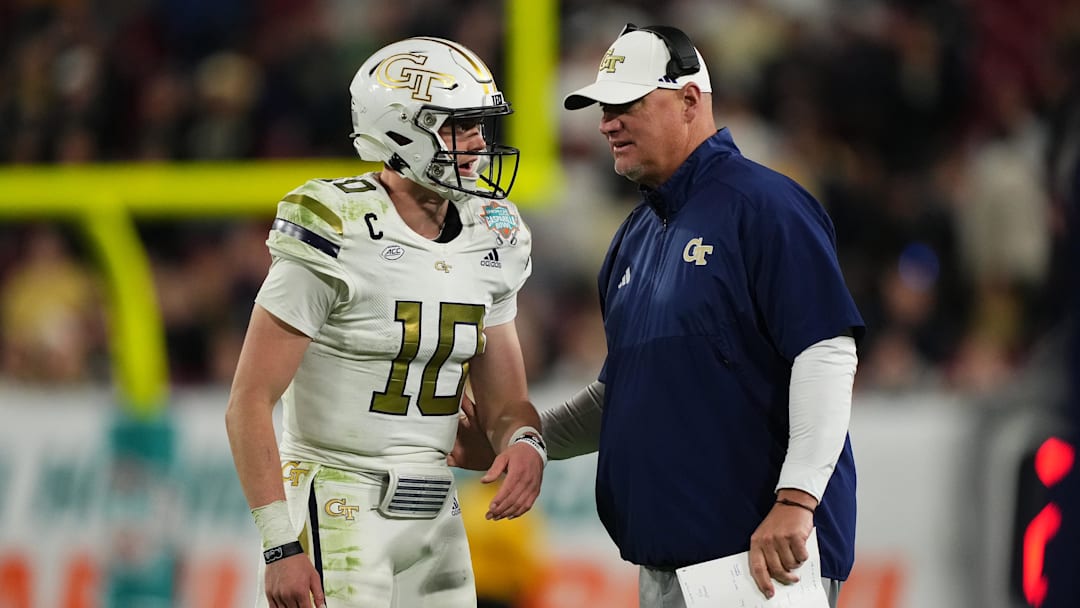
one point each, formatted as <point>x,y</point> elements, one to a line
<point>406,91</point>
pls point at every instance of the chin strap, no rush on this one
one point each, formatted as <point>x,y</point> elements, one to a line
<point>397,164</point>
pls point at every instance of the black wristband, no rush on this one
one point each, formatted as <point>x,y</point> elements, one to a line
<point>281,552</point>
<point>793,503</point>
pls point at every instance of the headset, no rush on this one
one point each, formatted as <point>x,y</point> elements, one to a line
<point>684,59</point>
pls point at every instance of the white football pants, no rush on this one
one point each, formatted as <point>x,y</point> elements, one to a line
<point>369,560</point>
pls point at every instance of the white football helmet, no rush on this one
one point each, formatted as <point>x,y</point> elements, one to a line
<point>406,91</point>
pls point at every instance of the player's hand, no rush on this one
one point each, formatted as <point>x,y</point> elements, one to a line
<point>294,583</point>
<point>778,546</point>
<point>472,450</point>
<point>524,470</point>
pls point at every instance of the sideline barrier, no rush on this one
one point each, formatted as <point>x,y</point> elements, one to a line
<point>913,457</point>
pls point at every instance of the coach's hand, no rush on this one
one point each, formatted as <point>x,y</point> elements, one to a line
<point>293,583</point>
<point>778,546</point>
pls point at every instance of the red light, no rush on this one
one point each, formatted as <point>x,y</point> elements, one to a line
<point>1038,533</point>
<point>1053,461</point>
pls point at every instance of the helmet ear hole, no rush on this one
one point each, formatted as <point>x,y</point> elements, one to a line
<point>398,138</point>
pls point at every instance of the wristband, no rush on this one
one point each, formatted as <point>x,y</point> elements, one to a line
<point>526,431</point>
<point>278,553</point>
<point>274,524</point>
<point>532,437</point>
<point>793,503</point>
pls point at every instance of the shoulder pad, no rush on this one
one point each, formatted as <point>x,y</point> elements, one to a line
<point>313,210</point>
<point>309,228</point>
<point>318,212</point>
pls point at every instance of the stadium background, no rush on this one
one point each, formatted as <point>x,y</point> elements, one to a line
<point>144,146</point>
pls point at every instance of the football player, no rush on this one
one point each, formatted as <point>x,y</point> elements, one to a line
<point>386,292</point>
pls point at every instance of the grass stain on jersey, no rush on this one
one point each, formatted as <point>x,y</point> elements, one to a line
<point>336,476</point>
<point>355,210</point>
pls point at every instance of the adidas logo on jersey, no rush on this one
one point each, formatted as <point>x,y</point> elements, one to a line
<point>491,260</point>
<point>625,279</point>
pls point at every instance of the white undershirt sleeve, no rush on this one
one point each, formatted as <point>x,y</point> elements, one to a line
<point>820,409</point>
<point>573,427</point>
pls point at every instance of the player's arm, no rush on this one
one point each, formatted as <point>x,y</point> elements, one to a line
<point>504,412</point>
<point>820,409</point>
<point>268,361</point>
<point>292,304</point>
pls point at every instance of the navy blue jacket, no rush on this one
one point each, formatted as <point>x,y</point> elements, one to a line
<point>710,289</point>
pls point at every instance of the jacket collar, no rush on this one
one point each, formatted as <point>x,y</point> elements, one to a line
<point>673,194</point>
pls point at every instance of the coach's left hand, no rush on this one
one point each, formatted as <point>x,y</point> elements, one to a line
<point>778,546</point>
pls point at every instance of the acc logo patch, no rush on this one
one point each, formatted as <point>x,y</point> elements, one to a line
<point>500,220</point>
<point>393,252</point>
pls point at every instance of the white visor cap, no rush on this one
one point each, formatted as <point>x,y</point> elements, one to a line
<point>634,65</point>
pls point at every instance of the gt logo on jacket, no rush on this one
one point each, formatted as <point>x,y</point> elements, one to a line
<point>695,252</point>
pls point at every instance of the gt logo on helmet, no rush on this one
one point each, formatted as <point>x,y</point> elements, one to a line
<point>405,71</point>
<point>407,92</point>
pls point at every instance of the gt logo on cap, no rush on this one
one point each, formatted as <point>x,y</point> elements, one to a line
<point>608,63</point>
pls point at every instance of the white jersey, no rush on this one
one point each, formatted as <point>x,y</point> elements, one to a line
<point>381,383</point>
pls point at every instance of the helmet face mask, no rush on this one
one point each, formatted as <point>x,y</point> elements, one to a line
<point>407,92</point>
<point>493,167</point>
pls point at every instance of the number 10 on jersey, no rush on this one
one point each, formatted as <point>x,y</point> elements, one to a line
<point>393,400</point>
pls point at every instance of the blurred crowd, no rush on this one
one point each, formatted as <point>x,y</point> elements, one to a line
<point>936,133</point>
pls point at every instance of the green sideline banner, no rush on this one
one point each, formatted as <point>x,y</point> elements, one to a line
<point>83,525</point>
